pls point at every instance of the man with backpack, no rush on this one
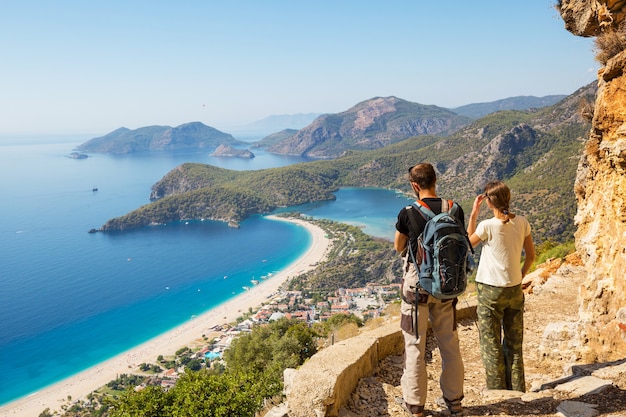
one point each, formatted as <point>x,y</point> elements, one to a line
<point>419,306</point>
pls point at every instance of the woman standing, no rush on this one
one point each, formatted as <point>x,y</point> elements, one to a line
<point>499,284</point>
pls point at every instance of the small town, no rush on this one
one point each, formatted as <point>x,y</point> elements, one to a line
<point>365,303</point>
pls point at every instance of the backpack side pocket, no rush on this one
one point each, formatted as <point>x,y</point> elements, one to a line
<point>409,281</point>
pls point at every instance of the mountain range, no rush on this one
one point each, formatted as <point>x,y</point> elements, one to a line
<point>535,151</point>
<point>381,121</point>
<point>371,124</point>
<point>478,110</point>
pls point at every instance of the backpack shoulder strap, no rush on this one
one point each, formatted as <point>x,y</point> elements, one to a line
<point>423,208</point>
<point>445,205</point>
<point>452,207</point>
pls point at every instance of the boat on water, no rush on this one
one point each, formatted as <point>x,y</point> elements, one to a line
<point>254,281</point>
<point>246,288</point>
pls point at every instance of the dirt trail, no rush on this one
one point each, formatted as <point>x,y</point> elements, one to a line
<point>551,301</point>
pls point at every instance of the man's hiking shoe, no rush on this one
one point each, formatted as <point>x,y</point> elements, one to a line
<point>418,411</point>
<point>454,407</point>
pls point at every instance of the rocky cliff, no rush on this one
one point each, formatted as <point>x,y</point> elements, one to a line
<point>601,181</point>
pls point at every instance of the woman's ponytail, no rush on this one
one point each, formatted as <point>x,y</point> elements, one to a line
<point>500,197</point>
<point>506,214</point>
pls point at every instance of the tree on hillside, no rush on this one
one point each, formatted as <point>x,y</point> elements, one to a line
<point>255,363</point>
<point>281,344</point>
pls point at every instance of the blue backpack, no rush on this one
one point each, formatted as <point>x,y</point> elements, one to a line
<point>443,251</point>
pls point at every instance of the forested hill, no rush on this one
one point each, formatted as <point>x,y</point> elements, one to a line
<point>536,152</point>
<point>193,135</point>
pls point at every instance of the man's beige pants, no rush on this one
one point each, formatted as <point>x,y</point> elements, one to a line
<point>441,315</point>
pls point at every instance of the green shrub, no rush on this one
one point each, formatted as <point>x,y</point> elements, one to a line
<point>549,250</point>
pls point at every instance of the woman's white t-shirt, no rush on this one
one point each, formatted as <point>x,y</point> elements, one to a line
<point>502,251</point>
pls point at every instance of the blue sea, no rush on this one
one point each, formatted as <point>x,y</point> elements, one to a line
<point>70,299</point>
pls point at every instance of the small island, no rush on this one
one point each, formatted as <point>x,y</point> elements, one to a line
<point>225,150</point>
<point>78,155</point>
<point>194,135</point>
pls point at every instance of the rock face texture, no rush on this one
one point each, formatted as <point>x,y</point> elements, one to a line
<point>601,182</point>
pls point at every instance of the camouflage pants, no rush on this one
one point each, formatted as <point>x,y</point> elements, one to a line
<point>501,311</point>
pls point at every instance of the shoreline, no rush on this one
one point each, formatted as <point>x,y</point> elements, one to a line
<point>83,383</point>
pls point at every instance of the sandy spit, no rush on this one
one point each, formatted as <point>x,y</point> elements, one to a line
<point>80,385</point>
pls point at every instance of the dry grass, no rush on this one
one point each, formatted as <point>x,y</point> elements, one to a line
<point>346,331</point>
<point>609,43</point>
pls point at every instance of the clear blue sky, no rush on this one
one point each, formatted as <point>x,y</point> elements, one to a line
<point>93,66</point>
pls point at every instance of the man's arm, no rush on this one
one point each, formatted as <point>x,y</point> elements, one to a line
<point>400,241</point>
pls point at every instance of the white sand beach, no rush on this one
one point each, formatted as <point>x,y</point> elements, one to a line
<point>80,385</point>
